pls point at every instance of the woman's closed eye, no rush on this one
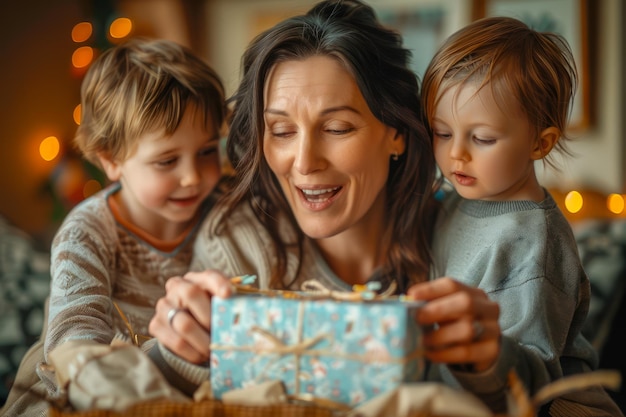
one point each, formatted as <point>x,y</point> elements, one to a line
<point>283,134</point>
<point>279,129</point>
<point>337,127</point>
<point>338,131</point>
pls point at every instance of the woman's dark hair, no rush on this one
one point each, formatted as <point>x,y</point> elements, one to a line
<point>347,30</point>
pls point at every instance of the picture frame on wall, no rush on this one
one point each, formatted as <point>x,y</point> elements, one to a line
<point>422,29</point>
<point>570,19</point>
<point>424,25</point>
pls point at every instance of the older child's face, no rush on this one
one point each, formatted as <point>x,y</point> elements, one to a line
<point>485,151</point>
<point>166,178</point>
<point>328,151</point>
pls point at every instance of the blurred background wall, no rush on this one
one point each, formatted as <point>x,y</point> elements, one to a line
<point>40,76</point>
<point>39,84</point>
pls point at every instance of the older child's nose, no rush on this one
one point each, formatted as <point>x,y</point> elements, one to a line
<point>191,176</point>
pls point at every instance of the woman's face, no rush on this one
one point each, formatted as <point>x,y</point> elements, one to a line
<point>326,148</point>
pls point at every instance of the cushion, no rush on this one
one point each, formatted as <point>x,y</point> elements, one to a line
<point>24,286</point>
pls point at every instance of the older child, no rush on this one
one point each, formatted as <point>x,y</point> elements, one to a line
<point>152,116</point>
<point>497,97</point>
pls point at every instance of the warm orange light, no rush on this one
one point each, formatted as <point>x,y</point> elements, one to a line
<point>573,201</point>
<point>82,56</point>
<point>91,187</point>
<point>77,114</point>
<point>120,27</point>
<point>615,203</point>
<point>81,32</point>
<point>49,148</point>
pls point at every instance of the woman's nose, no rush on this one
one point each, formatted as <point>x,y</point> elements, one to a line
<point>307,157</point>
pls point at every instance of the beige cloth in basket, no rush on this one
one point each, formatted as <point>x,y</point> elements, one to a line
<point>120,380</point>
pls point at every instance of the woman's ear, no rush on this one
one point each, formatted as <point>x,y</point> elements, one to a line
<point>398,145</point>
<point>544,144</point>
<point>111,168</point>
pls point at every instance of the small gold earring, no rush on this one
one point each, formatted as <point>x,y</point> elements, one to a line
<point>395,155</point>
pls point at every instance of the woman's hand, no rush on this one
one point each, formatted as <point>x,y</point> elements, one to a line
<point>182,320</point>
<point>460,323</point>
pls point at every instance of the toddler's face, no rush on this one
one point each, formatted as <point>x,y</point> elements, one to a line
<point>166,178</point>
<point>484,150</point>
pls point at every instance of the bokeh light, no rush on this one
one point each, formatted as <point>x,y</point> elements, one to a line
<point>615,203</point>
<point>81,32</point>
<point>49,148</point>
<point>77,114</point>
<point>82,56</point>
<point>573,201</point>
<point>91,187</point>
<point>120,27</point>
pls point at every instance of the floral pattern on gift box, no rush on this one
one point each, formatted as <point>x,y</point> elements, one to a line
<point>346,352</point>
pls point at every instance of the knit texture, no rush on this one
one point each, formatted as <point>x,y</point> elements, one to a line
<point>96,264</point>
<point>524,256</point>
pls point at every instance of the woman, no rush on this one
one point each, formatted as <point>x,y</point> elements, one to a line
<point>334,182</point>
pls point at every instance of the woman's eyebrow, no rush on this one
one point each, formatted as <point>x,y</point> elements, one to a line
<point>324,112</point>
<point>340,108</point>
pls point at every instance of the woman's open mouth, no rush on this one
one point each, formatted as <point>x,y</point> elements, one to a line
<point>319,195</point>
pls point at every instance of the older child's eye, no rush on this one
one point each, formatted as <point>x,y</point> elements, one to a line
<point>166,163</point>
<point>208,151</point>
<point>442,135</point>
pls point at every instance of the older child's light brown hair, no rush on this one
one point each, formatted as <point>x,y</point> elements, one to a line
<point>537,69</point>
<point>143,86</point>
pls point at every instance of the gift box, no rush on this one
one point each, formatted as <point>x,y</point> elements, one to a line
<point>344,352</point>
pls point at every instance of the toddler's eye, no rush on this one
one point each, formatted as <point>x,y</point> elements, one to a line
<point>442,135</point>
<point>484,141</point>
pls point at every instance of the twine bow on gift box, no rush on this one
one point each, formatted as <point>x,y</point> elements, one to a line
<point>313,289</point>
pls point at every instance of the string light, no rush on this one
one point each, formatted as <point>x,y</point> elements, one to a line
<point>120,28</point>
<point>82,56</point>
<point>573,201</point>
<point>77,114</point>
<point>82,31</point>
<point>590,204</point>
<point>615,203</point>
<point>49,148</point>
<point>90,188</point>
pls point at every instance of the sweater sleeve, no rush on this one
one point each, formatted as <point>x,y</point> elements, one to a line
<point>241,247</point>
<point>181,374</point>
<point>80,303</point>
